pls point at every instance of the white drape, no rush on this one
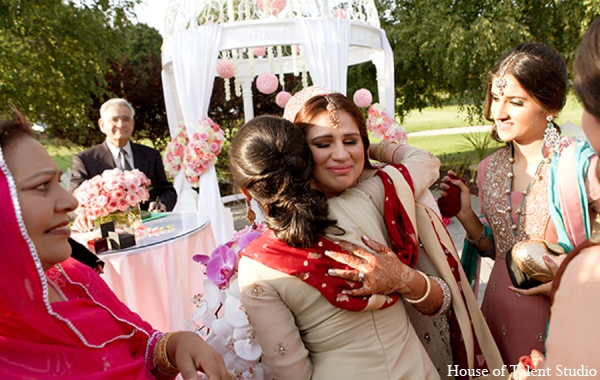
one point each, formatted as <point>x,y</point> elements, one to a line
<point>194,74</point>
<point>385,75</point>
<point>326,43</point>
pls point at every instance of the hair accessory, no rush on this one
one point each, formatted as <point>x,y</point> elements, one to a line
<point>427,291</point>
<point>296,102</point>
<point>501,82</point>
<point>332,111</point>
<point>551,137</point>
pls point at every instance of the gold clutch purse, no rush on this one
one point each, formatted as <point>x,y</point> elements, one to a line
<point>526,265</point>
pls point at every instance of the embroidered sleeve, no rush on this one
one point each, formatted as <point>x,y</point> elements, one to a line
<point>274,325</point>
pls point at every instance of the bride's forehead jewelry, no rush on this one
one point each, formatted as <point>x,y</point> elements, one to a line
<point>501,82</point>
<point>332,111</point>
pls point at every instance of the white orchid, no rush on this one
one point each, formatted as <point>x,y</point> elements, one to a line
<point>221,318</point>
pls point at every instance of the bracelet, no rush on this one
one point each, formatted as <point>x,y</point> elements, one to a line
<point>427,291</point>
<point>481,238</point>
<point>161,359</point>
<point>381,149</point>
<point>446,298</point>
<point>394,153</point>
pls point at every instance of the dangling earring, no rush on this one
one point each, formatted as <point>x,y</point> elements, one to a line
<point>551,137</point>
<point>251,215</point>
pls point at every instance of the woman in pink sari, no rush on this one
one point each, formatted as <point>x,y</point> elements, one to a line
<point>58,317</point>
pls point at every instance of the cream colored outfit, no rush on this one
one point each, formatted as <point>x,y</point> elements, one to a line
<point>303,336</point>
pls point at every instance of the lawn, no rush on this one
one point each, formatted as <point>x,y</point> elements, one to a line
<point>453,149</point>
<point>450,117</point>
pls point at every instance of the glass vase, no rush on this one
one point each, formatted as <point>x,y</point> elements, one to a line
<point>129,218</point>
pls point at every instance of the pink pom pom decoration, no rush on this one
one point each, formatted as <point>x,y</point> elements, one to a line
<point>225,68</point>
<point>274,6</point>
<point>267,83</point>
<point>363,98</point>
<point>340,13</point>
<point>282,98</point>
<point>259,51</point>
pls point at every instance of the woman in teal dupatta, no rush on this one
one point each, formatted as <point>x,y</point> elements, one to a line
<point>537,187</point>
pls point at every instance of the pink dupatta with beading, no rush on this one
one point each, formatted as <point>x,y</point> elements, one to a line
<point>91,335</point>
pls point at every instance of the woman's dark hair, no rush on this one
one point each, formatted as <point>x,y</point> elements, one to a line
<point>316,105</point>
<point>586,73</point>
<point>269,157</point>
<point>13,125</point>
<point>540,70</point>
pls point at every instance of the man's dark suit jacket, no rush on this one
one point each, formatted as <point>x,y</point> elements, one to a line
<point>96,160</point>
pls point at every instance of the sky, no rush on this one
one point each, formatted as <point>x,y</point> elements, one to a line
<point>152,12</point>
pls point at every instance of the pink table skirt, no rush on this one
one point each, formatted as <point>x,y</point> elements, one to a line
<point>158,280</point>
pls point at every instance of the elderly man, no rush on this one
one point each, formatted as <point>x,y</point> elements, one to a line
<point>117,122</point>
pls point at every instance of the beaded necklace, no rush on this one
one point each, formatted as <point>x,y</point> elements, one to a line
<point>536,176</point>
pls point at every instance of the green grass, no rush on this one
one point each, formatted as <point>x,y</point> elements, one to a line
<point>451,149</point>
<point>450,117</point>
<point>61,152</point>
<point>571,112</point>
<point>434,118</point>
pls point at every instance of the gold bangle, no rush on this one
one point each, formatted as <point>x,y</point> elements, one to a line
<point>161,359</point>
<point>394,153</point>
<point>381,150</point>
<point>427,291</point>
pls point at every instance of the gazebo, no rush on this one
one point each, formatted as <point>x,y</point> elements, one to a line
<point>320,38</point>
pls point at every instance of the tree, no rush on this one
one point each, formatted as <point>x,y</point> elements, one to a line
<point>443,49</point>
<point>55,56</point>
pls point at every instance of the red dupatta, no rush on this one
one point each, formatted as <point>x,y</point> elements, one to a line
<point>91,335</point>
<point>311,265</point>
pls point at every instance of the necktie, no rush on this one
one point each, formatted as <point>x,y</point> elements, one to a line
<point>123,160</point>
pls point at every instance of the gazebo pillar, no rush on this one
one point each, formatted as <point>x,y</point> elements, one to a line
<point>246,83</point>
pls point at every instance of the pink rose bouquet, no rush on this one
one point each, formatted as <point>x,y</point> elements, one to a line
<point>173,155</point>
<point>383,126</point>
<point>113,190</point>
<point>202,150</point>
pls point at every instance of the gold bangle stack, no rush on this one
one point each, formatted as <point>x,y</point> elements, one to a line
<point>381,150</point>
<point>161,359</point>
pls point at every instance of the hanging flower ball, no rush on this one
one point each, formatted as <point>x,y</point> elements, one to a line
<point>274,6</point>
<point>225,68</point>
<point>259,51</point>
<point>282,98</point>
<point>363,98</point>
<point>340,13</point>
<point>267,83</point>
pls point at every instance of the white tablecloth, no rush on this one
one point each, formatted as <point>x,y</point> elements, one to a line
<point>157,278</point>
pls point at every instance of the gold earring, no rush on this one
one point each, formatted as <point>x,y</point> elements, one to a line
<point>250,215</point>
